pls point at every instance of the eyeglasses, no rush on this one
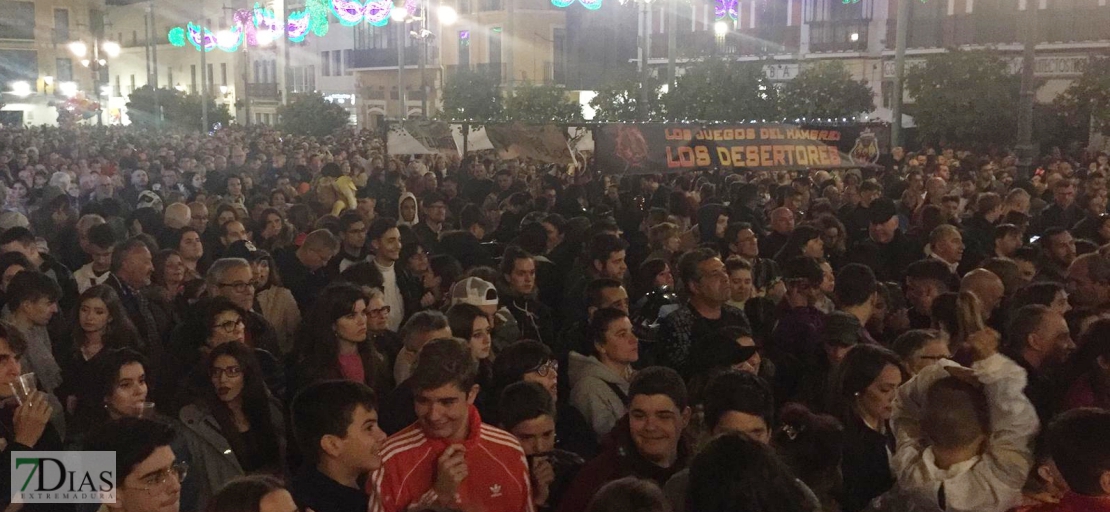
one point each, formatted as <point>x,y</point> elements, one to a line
<point>156,481</point>
<point>230,325</point>
<point>547,369</point>
<point>382,311</point>
<point>230,371</point>
<point>239,287</point>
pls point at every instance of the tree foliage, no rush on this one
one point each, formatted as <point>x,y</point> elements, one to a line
<point>720,90</point>
<point>825,90</point>
<point>964,96</point>
<point>618,99</point>
<point>177,109</point>
<point>471,95</point>
<point>542,104</point>
<point>311,114</point>
<point>1087,99</point>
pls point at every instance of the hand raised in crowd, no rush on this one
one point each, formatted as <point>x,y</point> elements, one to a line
<point>984,343</point>
<point>543,474</point>
<point>31,418</point>
<point>451,470</point>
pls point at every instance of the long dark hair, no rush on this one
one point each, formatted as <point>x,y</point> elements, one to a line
<point>860,367</point>
<point>256,405</point>
<point>737,473</point>
<point>317,346</point>
<point>118,333</point>
<point>796,243</point>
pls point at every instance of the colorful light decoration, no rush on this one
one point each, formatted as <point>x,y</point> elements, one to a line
<point>352,12</point>
<point>257,27</point>
<point>729,9</point>
<point>592,5</point>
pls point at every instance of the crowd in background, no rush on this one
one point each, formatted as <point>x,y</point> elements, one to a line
<point>257,322</point>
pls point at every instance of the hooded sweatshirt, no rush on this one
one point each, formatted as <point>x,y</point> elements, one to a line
<point>597,392</point>
<point>415,215</point>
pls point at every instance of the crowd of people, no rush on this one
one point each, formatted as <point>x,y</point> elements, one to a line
<point>256,322</point>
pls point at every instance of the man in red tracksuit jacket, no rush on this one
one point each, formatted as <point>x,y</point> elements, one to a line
<point>449,457</point>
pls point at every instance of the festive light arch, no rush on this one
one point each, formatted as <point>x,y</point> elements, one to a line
<point>729,9</point>
<point>255,27</point>
<point>592,5</point>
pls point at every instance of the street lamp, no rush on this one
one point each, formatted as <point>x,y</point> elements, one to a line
<point>96,64</point>
<point>21,89</point>
<point>720,28</point>
<point>447,15</point>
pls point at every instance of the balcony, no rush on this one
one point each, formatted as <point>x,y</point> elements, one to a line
<point>757,41</point>
<point>923,33</point>
<point>382,58</point>
<point>497,70</point>
<point>263,91</point>
<point>1072,25</point>
<point>837,36</point>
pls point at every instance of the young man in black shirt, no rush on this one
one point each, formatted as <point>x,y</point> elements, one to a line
<point>335,424</point>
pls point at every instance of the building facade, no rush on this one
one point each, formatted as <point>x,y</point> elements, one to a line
<point>37,67</point>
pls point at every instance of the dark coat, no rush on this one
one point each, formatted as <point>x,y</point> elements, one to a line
<point>619,458</point>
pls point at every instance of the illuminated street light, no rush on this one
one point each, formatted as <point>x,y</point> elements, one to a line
<point>264,37</point>
<point>226,38</point>
<point>85,62</point>
<point>111,48</point>
<point>78,48</point>
<point>854,37</point>
<point>447,15</point>
<point>399,14</point>
<point>68,89</point>
<point>21,89</point>
<point>720,28</point>
<point>106,90</point>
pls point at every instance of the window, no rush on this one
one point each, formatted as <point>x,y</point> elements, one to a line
<point>193,87</point>
<point>347,61</point>
<point>211,78</point>
<point>169,78</point>
<point>257,73</point>
<point>463,7</point>
<point>18,21</point>
<point>18,65</point>
<point>257,118</point>
<point>266,118</point>
<point>61,25</point>
<point>63,70</point>
<point>310,78</point>
<point>495,45</point>
<point>325,64</point>
<point>134,38</point>
<point>464,49</point>
<point>119,91</point>
<point>132,89</point>
<point>337,62</point>
<point>223,73</point>
<point>559,59</point>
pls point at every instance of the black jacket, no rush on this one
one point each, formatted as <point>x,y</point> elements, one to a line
<point>314,490</point>
<point>889,261</point>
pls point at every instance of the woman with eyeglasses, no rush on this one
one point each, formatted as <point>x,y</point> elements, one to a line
<point>238,422</point>
<point>216,321</point>
<point>532,361</point>
<point>386,342</point>
<point>334,342</point>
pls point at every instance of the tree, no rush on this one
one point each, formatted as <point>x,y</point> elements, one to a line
<point>143,105</point>
<point>969,97</point>
<point>471,95</point>
<point>542,104</point>
<point>823,91</point>
<point>722,90</point>
<point>1087,99</point>
<point>619,100</point>
<point>177,109</point>
<point>311,114</point>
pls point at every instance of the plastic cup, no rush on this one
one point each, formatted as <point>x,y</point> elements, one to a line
<point>23,386</point>
<point>146,410</point>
